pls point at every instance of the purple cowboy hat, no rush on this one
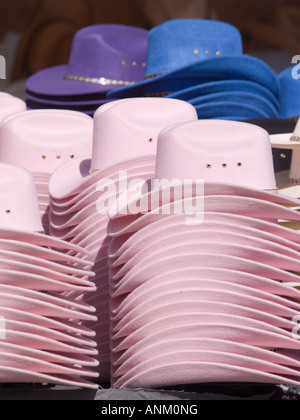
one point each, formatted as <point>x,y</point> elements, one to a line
<point>102,58</point>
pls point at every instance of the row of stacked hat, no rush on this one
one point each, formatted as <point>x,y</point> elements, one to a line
<point>111,277</point>
<point>199,61</point>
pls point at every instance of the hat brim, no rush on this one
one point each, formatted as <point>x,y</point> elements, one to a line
<point>56,101</point>
<point>14,265</point>
<point>52,334</point>
<point>46,322</point>
<point>225,86</point>
<point>126,323</point>
<point>39,252</point>
<point>193,260</point>
<point>28,260</point>
<point>285,186</point>
<point>283,141</point>
<point>43,308</point>
<point>154,200</point>
<point>88,110</point>
<point>39,239</point>
<point>235,97</point>
<point>236,333</point>
<point>74,178</point>
<point>192,277</point>
<point>15,375</point>
<point>91,195</point>
<point>52,82</point>
<point>243,67</point>
<point>249,253</point>
<point>133,358</point>
<point>189,234</point>
<point>187,373</point>
<point>38,282</point>
<point>120,246</point>
<point>51,357</point>
<point>53,299</point>
<point>230,110</point>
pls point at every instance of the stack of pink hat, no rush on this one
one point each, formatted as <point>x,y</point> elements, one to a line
<point>41,141</point>
<point>42,336</point>
<point>201,269</point>
<point>9,105</point>
<point>124,151</point>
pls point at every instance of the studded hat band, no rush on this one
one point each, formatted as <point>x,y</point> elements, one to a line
<point>103,81</point>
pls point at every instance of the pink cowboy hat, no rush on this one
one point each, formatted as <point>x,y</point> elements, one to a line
<point>118,129</point>
<point>41,141</point>
<point>31,262</point>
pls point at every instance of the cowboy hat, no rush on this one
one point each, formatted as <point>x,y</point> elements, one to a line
<point>121,53</point>
<point>126,150</point>
<point>41,141</point>
<point>198,51</point>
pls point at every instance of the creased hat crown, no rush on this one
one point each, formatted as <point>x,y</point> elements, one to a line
<point>41,141</point>
<point>217,151</point>
<point>182,42</point>
<point>110,51</point>
<point>128,129</point>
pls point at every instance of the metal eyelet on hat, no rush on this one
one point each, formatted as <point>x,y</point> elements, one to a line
<point>196,51</point>
<point>150,140</point>
<point>8,211</point>
<point>44,157</point>
<point>209,166</point>
<point>239,164</point>
<point>58,156</point>
<point>72,156</point>
<point>283,156</point>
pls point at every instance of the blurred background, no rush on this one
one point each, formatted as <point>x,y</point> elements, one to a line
<point>36,34</point>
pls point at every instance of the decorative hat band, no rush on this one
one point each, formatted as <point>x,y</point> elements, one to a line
<point>152,76</point>
<point>295,138</point>
<point>98,81</point>
<point>294,181</point>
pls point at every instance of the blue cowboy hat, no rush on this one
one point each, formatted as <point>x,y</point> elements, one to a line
<point>183,53</point>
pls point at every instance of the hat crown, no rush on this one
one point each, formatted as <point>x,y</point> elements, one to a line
<point>10,105</point>
<point>19,207</point>
<point>43,140</point>
<point>182,42</point>
<point>217,151</point>
<point>128,129</point>
<point>111,51</point>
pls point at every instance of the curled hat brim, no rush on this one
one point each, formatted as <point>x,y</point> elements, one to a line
<point>243,67</point>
